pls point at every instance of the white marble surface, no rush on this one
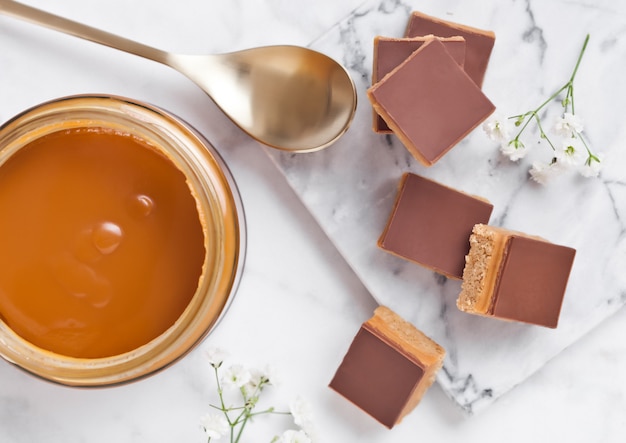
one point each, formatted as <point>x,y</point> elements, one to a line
<point>351,188</point>
<point>299,303</point>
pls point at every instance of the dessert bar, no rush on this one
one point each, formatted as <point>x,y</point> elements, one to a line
<point>514,276</point>
<point>430,224</point>
<point>390,52</point>
<point>388,367</point>
<point>429,102</point>
<point>479,43</point>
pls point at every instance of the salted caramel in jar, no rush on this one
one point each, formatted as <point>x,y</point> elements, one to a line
<point>122,239</point>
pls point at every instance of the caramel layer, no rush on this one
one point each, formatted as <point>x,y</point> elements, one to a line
<point>515,276</point>
<point>414,344</point>
<point>481,271</point>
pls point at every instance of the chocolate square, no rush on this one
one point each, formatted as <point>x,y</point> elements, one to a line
<point>429,102</point>
<point>532,281</point>
<point>479,43</point>
<point>377,377</point>
<point>431,224</point>
<point>390,52</point>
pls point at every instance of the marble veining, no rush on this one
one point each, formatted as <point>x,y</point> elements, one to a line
<point>295,280</point>
<point>350,188</point>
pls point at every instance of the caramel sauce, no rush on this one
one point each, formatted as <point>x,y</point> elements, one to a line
<point>101,245</point>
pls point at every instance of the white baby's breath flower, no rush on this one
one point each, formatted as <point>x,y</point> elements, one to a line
<point>515,150</point>
<point>542,172</point>
<point>591,167</point>
<point>250,383</point>
<point>301,411</point>
<point>237,376</point>
<point>302,414</point>
<point>569,125</point>
<point>258,380</point>
<point>216,356</point>
<point>214,425</point>
<point>497,129</point>
<point>568,155</point>
<point>272,374</point>
<point>293,436</point>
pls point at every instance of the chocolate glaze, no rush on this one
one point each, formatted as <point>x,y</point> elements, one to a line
<point>531,281</point>
<point>430,102</point>
<point>431,224</point>
<point>479,42</point>
<point>377,377</point>
<point>390,52</point>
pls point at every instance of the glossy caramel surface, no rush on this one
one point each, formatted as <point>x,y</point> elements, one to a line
<point>102,245</point>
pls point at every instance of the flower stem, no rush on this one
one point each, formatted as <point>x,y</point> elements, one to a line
<point>580,57</point>
<point>567,101</point>
<point>569,98</point>
<point>241,428</point>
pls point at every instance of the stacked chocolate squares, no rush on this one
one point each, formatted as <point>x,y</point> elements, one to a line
<point>426,87</point>
<point>427,90</point>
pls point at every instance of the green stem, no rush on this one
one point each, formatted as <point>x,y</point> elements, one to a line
<point>245,413</point>
<point>243,425</point>
<point>542,133</point>
<point>569,99</point>
<point>240,417</point>
<point>580,57</point>
<point>269,411</point>
<point>552,97</point>
<point>590,155</point>
<point>220,393</point>
<point>534,114</point>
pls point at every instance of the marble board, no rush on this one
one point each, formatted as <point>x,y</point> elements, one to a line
<point>350,187</point>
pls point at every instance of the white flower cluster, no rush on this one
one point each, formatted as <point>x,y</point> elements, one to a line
<point>571,152</point>
<point>250,383</point>
<point>215,425</point>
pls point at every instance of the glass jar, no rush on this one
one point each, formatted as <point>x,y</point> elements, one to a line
<point>221,216</point>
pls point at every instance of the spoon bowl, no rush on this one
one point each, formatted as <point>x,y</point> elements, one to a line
<point>288,97</point>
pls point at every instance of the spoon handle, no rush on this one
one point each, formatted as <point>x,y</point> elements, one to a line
<point>39,17</point>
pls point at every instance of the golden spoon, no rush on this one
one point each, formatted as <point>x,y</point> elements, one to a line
<point>288,97</point>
